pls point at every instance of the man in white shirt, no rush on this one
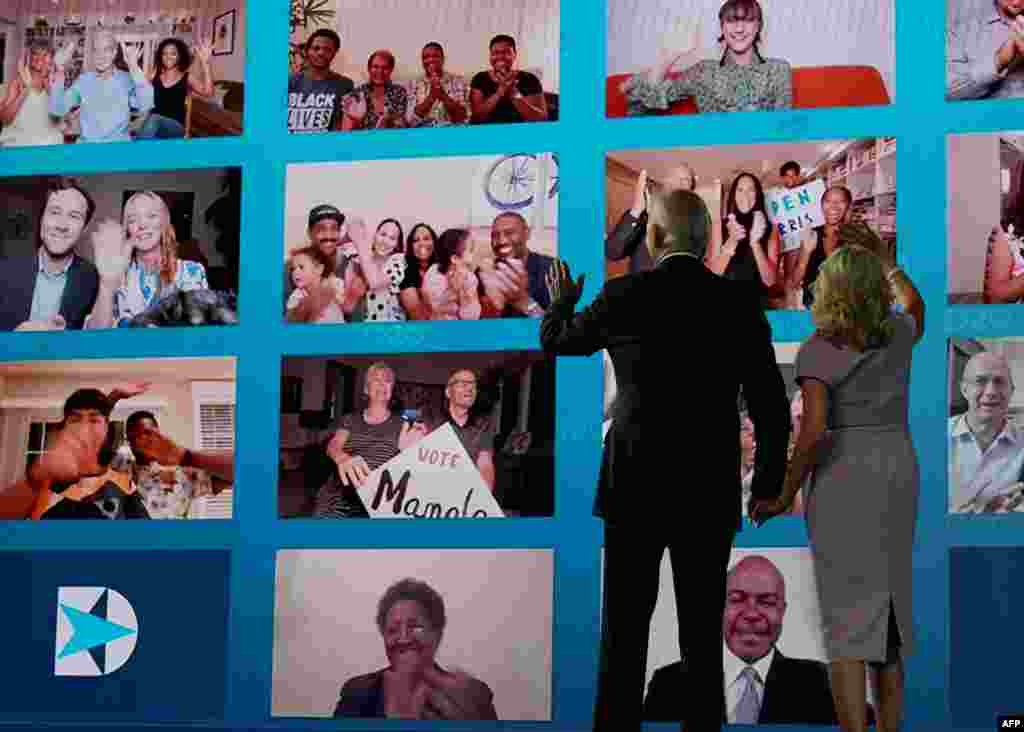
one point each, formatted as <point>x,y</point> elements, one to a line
<point>986,450</point>
<point>762,686</point>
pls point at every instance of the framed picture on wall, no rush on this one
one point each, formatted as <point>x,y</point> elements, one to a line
<point>224,34</point>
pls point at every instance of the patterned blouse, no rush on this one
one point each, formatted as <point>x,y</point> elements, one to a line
<point>168,492</point>
<point>384,304</point>
<point>396,102</point>
<point>454,86</point>
<point>716,86</point>
<point>140,290</point>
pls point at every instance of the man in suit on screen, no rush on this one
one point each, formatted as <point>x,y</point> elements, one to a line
<point>670,476</point>
<point>762,686</point>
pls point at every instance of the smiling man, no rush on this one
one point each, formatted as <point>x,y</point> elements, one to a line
<point>439,99</point>
<point>762,686</point>
<point>315,93</point>
<point>986,450</point>
<point>506,94</point>
<point>516,286</point>
<point>53,288</point>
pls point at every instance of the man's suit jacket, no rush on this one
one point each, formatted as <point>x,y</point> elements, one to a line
<point>627,240</point>
<point>19,284</point>
<point>796,691</point>
<point>683,342</point>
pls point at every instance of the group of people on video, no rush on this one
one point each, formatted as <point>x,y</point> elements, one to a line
<point>83,475</point>
<point>369,437</point>
<point>38,103</point>
<point>745,246</point>
<point>320,99</point>
<point>345,274</point>
<point>136,276</point>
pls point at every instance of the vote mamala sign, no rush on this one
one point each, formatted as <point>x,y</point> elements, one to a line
<point>432,479</point>
<point>793,211</point>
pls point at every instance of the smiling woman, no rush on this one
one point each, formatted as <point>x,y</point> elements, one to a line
<point>411,620</point>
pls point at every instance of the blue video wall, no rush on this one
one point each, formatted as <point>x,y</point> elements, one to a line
<point>340,259</point>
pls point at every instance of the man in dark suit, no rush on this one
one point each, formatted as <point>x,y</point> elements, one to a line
<point>53,288</point>
<point>778,689</point>
<point>628,236</point>
<point>678,378</point>
<point>516,285</point>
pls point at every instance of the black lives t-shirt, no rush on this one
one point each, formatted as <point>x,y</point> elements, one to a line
<point>528,85</point>
<point>314,105</point>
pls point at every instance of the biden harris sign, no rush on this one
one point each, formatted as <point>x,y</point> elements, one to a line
<point>98,634</point>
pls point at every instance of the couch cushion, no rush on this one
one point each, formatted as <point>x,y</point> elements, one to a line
<point>813,86</point>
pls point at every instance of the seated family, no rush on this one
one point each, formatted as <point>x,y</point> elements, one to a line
<point>740,80</point>
<point>368,438</point>
<point>38,102</point>
<point>342,274</point>
<point>79,477</point>
<point>744,246</point>
<point>136,277</point>
<point>320,99</point>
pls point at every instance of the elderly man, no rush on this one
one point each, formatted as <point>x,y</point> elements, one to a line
<point>516,286</point>
<point>315,93</point>
<point>985,53</point>
<point>439,99</point>
<point>762,686</point>
<point>53,288</point>
<point>986,450</point>
<point>626,238</point>
<point>473,431</point>
<point>327,231</point>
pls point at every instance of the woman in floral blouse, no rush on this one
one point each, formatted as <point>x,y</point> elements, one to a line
<point>138,262</point>
<point>379,102</point>
<point>742,80</point>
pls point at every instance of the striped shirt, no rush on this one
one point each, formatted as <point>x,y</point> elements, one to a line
<point>374,443</point>
<point>971,47</point>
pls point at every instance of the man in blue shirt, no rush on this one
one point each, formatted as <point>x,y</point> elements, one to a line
<point>107,95</point>
<point>53,288</point>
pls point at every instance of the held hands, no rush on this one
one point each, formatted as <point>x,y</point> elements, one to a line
<point>112,252</point>
<point>455,695</point>
<point>560,284</point>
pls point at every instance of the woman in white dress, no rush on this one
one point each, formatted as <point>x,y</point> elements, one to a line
<point>381,264</point>
<point>24,109</point>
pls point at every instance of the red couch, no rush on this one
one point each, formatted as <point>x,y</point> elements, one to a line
<point>813,86</point>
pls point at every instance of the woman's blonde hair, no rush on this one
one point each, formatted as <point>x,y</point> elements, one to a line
<point>168,241</point>
<point>852,297</point>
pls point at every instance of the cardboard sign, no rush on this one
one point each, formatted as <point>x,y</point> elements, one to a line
<point>793,211</point>
<point>432,479</point>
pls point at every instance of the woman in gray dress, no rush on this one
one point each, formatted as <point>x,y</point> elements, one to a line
<point>861,505</point>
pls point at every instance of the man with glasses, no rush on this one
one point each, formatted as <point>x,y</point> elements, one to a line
<point>473,430</point>
<point>986,449</point>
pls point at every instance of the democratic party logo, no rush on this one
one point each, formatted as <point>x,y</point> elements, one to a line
<point>96,631</point>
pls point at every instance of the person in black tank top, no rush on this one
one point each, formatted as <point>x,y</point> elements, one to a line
<point>750,252</point>
<point>172,83</point>
<point>820,242</point>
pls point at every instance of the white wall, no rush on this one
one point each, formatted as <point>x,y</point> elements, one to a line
<point>973,207</point>
<point>463,27</point>
<point>232,66</point>
<point>803,32</point>
<point>499,622</point>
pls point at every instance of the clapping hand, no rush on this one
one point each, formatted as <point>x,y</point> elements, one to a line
<point>454,695</point>
<point>758,227</point>
<point>508,284</point>
<point>25,73</point>
<point>63,55</point>
<point>640,193</point>
<point>112,251</point>
<point>354,107</point>
<point>132,57</point>
<point>809,242</point>
<point>736,230</point>
<point>560,284</point>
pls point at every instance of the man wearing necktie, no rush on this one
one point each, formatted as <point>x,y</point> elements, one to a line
<point>762,686</point>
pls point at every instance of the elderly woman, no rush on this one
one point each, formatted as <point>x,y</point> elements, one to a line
<point>742,80</point>
<point>364,441</point>
<point>411,621</point>
<point>861,504</point>
<point>138,263</point>
<point>379,102</point>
